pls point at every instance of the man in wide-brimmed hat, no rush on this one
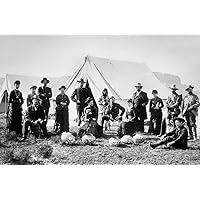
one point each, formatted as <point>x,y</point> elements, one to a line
<point>190,111</point>
<point>62,111</point>
<point>79,96</point>
<point>15,109</point>
<point>140,100</point>
<point>176,138</point>
<point>173,103</point>
<point>45,94</point>
<point>31,95</point>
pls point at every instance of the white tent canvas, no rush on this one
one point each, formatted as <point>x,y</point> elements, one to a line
<point>118,77</point>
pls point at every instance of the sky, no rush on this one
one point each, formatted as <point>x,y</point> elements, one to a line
<point>60,55</point>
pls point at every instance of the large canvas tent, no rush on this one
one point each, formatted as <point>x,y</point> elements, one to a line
<point>118,77</point>
<point>26,82</point>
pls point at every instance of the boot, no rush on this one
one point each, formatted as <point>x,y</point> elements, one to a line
<point>156,144</point>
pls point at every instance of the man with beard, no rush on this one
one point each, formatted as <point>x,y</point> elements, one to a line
<point>140,100</point>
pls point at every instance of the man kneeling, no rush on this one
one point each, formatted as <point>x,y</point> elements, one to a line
<point>177,138</point>
<point>35,118</point>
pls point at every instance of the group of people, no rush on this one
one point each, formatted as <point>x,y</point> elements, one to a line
<point>94,120</point>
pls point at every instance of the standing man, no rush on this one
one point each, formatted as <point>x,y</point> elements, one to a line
<point>140,100</point>
<point>173,103</point>
<point>190,111</point>
<point>45,94</point>
<point>31,95</point>
<point>80,96</point>
<point>15,110</point>
<point>155,109</point>
<point>62,111</point>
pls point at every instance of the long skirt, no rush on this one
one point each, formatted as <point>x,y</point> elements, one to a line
<point>14,120</point>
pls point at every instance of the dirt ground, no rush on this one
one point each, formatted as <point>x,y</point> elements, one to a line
<point>101,153</point>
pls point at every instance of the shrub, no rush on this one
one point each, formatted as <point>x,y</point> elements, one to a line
<point>19,155</point>
<point>11,136</point>
<point>45,151</point>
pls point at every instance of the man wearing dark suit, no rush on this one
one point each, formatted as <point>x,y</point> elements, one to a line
<point>45,94</point>
<point>35,117</point>
<point>80,96</point>
<point>176,138</point>
<point>140,100</point>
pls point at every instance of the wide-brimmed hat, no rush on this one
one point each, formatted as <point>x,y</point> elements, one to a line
<point>139,85</point>
<point>45,79</point>
<point>17,82</point>
<point>81,80</point>
<point>173,87</point>
<point>33,87</point>
<point>62,87</point>
<point>179,119</point>
<point>189,87</point>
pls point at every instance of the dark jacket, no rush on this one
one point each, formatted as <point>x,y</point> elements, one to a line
<point>115,109</point>
<point>45,94</point>
<point>137,103</point>
<point>16,99</point>
<point>179,137</point>
<point>80,94</point>
<point>156,103</point>
<point>62,98</point>
<point>32,114</point>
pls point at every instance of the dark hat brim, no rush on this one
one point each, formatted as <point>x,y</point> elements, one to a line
<point>45,80</point>
<point>62,88</point>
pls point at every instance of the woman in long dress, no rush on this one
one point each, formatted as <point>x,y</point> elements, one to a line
<point>62,111</point>
<point>15,110</point>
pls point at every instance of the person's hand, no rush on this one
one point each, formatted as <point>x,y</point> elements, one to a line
<point>143,104</point>
<point>77,101</point>
<point>170,144</point>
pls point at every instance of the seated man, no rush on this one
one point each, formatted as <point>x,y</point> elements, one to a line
<point>131,124</point>
<point>115,111</point>
<point>176,138</point>
<point>35,118</point>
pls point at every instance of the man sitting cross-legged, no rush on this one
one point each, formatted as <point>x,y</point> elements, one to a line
<point>35,118</point>
<point>177,138</point>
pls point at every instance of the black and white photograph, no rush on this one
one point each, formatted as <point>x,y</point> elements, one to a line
<point>96,100</point>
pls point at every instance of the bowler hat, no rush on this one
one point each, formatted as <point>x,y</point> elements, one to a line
<point>33,87</point>
<point>139,85</point>
<point>173,87</point>
<point>45,79</point>
<point>81,80</point>
<point>62,87</point>
<point>179,119</point>
<point>189,87</point>
<point>17,82</point>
